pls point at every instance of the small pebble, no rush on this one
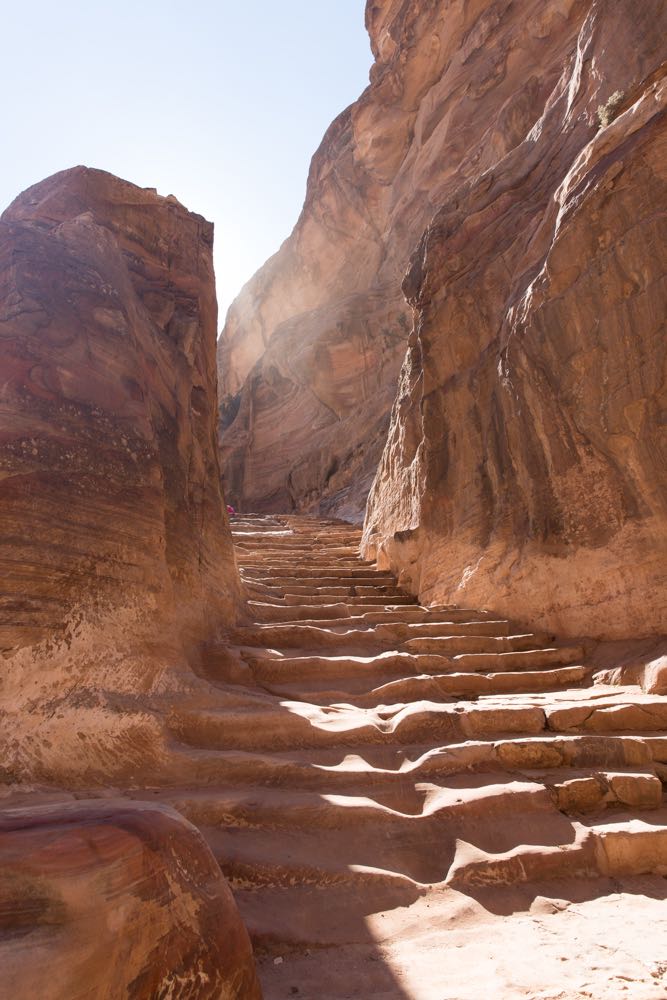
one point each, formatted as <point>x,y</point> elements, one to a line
<point>278,961</point>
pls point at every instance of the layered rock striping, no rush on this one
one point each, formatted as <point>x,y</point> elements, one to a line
<point>116,899</point>
<point>115,554</point>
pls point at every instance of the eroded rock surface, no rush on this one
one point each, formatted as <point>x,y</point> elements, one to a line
<point>526,463</point>
<point>112,899</point>
<point>115,553</point>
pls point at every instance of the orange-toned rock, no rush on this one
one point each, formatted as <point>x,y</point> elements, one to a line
<point>116,899</point>
<point>525,467</point>
<point>115,552</point>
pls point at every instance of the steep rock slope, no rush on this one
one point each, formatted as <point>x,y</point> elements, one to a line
<point>526,464</point>
<point>115,553</point>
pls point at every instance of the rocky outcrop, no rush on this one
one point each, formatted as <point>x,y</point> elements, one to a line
<point>525,467</point>
<point>116,899</point>
<point>115,552</point>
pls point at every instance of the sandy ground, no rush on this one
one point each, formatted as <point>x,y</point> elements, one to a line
<point>450,947</point>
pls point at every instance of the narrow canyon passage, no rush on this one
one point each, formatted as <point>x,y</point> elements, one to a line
<point>377,776</point>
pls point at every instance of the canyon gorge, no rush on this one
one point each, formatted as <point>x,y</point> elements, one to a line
<point>397,727</point>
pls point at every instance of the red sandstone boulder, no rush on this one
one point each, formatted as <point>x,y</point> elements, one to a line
<point>116,899</point>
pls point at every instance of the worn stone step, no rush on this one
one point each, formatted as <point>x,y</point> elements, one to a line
<point>388,765</point>
<point>305,726</point>
<point>362,580</point>
<point>392,665</point>
<point>438,687</point>
<point>446,645</point>
<point>379,600</point>
<point>285,571</point>
<point>384,591</point>
<point>624,712</point>
<point>529,659</point>
<point>344,637</point>
<point>615,846</point>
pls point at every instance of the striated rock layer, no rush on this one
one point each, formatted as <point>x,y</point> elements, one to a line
<point>115,552</point>
<point>526,464</point>
<point>116,899</point>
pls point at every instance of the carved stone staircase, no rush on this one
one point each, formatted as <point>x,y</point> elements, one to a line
<point>367,750</point>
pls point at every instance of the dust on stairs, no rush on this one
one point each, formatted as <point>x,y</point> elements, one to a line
<point>367,751</point>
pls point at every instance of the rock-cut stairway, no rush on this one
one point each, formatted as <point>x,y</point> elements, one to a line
<point>365,749</point>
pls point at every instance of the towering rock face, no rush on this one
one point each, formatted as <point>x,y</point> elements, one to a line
<point>115,552</point>
<point>526,465</point>
<point>523,466</point>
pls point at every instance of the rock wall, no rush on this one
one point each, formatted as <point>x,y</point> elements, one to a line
<point>526,464</point>
<point>115,552</point>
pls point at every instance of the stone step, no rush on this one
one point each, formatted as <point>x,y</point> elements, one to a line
<point>251,856</point>
<point>436,688</point>
<point>452,644</point>
<point>437,816</point>
<point>522,660</point>
<point>383,591</point>
<point>391,665</point>
<point>289,550</point>
<point>381,768</point>
<point>280,918</point>
<point>342,636</point>
<point>354,573</point>
<point>583,791</point>
<point>616,713</point>
<point>308,726</point>
<point>616,846</point>
<point>380,600</point>
<point>362,580</point>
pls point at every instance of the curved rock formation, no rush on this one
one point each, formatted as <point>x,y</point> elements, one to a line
<point>115,552</point>
<point>115,899</point>
<point>526,465</point>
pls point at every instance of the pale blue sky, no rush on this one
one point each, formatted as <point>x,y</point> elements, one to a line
<point>220,103</point>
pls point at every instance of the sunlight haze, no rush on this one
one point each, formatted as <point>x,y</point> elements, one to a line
<point>219,103</point>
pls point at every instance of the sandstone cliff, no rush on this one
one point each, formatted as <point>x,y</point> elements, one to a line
<point>523,468</point>
<point>115,552</point>
<point>526,466</point>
